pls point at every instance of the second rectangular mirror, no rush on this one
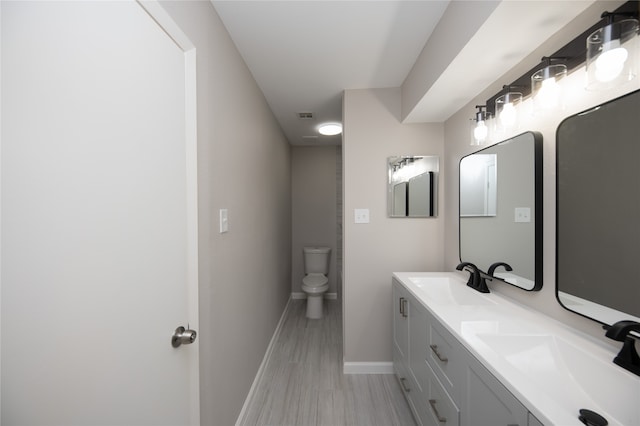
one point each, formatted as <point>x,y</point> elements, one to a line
<point>412,189</point>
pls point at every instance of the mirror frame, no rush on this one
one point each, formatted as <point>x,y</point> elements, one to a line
<point>538,208</point>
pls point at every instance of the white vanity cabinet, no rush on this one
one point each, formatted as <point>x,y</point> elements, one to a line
<point>444,384</point>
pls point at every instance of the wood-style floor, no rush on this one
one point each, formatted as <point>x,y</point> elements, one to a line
<point>303,383</point>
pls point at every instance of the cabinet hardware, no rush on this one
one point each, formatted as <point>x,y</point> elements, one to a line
<point>403,307</point>
<point>404,386</point>
<point>434,349</point>
<point>432,403</point>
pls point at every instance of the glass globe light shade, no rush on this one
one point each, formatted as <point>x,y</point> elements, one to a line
<point>546,88</point>
<point>506,111</point>
<point>612,54</point>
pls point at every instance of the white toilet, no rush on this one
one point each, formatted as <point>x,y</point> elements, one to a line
<point>315,283</point>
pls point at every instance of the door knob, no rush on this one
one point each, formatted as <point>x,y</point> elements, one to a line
<point>183,336</point>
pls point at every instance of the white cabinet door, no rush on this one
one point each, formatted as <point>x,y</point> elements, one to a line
<point>486,402</point>
<point>98,247</point>
<point>400,324</point>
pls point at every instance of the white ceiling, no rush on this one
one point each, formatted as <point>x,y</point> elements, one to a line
<point>304,53</point>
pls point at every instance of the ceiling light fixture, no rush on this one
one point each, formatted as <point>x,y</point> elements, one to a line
<point>612,52</point>
<point>330,129</point>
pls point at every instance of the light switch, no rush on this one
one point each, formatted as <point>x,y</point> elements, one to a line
<point>224,221</point>
<point>523,214</point>
<point>361,215</point>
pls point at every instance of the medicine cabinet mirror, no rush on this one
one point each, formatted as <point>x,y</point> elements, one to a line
<point>412,189</point>
<point>598,211</point>
<point>501,209</point>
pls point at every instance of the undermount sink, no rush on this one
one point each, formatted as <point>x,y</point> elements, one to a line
<point>566,373</point>
<point>445,290</point>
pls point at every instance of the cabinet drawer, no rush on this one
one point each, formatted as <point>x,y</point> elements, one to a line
<point>411,392</point>
<point>438,406</point>
<point>403,378</point>
<point>446,360</point>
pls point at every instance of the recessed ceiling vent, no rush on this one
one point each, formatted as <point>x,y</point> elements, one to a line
<point>305,115</point>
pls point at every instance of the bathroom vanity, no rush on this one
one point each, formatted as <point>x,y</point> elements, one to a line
<point>466,358</point>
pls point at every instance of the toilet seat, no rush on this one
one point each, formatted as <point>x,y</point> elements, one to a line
<point>315,283</point>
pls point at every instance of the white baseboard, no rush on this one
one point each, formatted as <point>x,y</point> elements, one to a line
<point>256,381</point>
<point>367,367</point>
<point>302,295</point>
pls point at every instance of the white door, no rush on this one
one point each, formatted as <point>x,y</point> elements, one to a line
<point>98,234</point>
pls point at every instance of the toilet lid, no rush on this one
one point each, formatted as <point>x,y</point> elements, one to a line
<point>315,280</point>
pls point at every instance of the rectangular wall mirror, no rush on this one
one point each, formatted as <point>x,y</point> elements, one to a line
<point>597,211</point>
<point>501,209</point>
<point>412,189</point>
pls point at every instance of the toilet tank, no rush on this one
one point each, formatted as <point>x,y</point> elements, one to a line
<point>316,260</point>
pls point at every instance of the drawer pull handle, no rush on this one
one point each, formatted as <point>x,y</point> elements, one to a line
<point>432,403</point>
<point>434,349</point>
<point>404,386</point>
<point>403,307</point>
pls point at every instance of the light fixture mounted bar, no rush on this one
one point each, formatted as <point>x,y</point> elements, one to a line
<point>574,52</point>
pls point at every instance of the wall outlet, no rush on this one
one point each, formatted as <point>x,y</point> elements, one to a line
<point>522,214</point>
<point>361,215</point>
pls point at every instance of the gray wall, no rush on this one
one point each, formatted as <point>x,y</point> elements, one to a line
<point>457,145</point>
<point>314,201</point>
<point>244,166</point>
<point>373,132</point>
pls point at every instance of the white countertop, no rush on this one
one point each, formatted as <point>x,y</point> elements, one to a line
<point>553,369</point>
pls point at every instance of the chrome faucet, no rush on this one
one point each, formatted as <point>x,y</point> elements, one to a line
<point>628,357</point>
<point>476,280</point>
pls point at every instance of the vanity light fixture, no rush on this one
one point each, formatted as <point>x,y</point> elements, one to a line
<point>545,85</point>
<point>480,126</point>
<point>612,52</point>
<point>506,112</point>
<point>609,34</point>
<point>330,129</point>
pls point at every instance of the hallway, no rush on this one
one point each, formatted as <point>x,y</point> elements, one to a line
<point>303,382</point>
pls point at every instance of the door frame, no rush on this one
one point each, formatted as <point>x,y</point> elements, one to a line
<point>171,28</point>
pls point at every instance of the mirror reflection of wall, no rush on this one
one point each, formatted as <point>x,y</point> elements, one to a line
<point>412,186</point>
<point>478,185</point>
<point>598,209</point>
<point>500,205</point>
